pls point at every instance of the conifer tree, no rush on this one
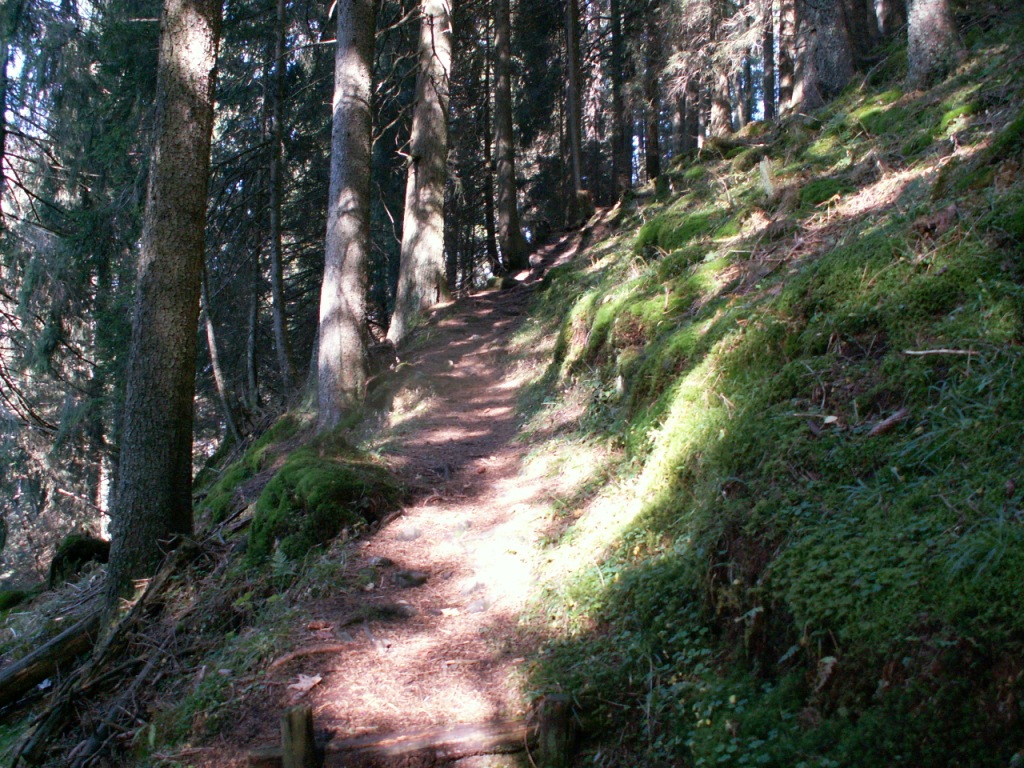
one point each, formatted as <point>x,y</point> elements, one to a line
<point>154,498</point>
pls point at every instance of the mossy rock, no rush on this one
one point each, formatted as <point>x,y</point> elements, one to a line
<point>312,498</point>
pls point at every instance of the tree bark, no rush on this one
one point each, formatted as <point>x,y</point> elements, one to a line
<point>10,16</point>
<point>622,134</point>
<point>219,379</point>
<point>493,256</point>
<point>422,281</point>
<point>824,60</point>
<point>892,17</point>
<point>768,60</point>
<point>934,47</point>
<point>342,363</point>
<point>787,54</point>
<point>574,101</point>
<point>652,99</point>
<point>514,248</point>
<point>862,27</point>
<point>154,498</point>
<point>282,343</point>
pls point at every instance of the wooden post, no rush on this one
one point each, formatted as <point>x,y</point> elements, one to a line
<point>297,743</point>
<point>556,733</point>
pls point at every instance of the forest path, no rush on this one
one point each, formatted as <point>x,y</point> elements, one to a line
<point>434,639</point>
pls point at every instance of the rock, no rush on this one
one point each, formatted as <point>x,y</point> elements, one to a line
<point>380,562</point>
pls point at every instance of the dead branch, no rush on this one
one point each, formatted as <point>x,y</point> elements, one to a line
<point>23,675</point>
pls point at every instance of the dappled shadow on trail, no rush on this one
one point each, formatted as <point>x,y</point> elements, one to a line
<point>432,635</point>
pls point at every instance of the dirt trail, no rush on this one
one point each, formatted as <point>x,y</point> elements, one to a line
<point>433,638</point>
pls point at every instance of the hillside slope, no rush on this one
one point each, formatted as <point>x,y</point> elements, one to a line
<point>809,549</point>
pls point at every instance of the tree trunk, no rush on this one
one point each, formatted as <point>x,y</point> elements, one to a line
<point>342,363</point>
<point>824,61</point>
<point>514,248</point>
<point>422,282</point>
<point>720,121</point>
<point>622,135</point>
<point>892,17</point>
<point>768,60</point>
<point>934,47</point>
<point>691,123</point>
<point>574,101</point>
<point>787,54</point>
<point>154,498</point>
<point>10,15</point>
<point>282,344</point>
<point>218,373</point>
<point>493,257</point>
<point>862,28</point>
<point>252,378</point>
<point>652,99</point>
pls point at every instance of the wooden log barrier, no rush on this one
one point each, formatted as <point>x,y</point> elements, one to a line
<point>451,743</point>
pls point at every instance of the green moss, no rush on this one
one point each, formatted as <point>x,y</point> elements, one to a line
<point>815,192</point>
<point>671,231</point>
<point>313,497</point>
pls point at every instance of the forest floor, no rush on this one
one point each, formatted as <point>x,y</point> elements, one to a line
<point>434,638</point>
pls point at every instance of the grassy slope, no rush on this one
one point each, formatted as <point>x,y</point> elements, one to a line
<point>773,574</point>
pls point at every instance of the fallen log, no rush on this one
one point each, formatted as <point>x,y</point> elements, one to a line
<point>436,744</point>
<point>19,678</point>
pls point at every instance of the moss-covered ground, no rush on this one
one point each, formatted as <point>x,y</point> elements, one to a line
<point>809,363</point>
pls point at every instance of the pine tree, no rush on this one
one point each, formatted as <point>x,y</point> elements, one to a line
<point>342,362</point>
<point>154,498</point>
<point>421,279</point>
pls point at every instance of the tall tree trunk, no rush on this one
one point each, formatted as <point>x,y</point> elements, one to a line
<point>934,47</point>
<point>691,122</point>
<point>862,27</point>
<point>824,62</point>
<point>154,498</point>
<point>720,120</point>
<point>282,343</point>
<point>746,92</point>
<point>342,363</point>
<point>787,54</point>
<point>422,281</point>
<point>574,102</point>
<point>514,248</point>
<point>10,16</point>
<point>219,380</point>
<point>768,60</point>
<point>622,135</point>
<point>493,257</point>
<point>892,17</point>
<point>252,379</point>
<point>652,98</point>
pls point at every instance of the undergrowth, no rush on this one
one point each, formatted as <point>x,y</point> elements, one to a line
<point>810,359</point>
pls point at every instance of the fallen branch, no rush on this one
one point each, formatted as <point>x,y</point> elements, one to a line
<point>311,651</point>
<point>884,426</point>
<point>23,675</point>
<point>923,352</point>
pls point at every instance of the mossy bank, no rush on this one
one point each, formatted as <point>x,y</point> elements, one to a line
<point>810,366</point>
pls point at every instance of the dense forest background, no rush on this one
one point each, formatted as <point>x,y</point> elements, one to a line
<point>605,96</point>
